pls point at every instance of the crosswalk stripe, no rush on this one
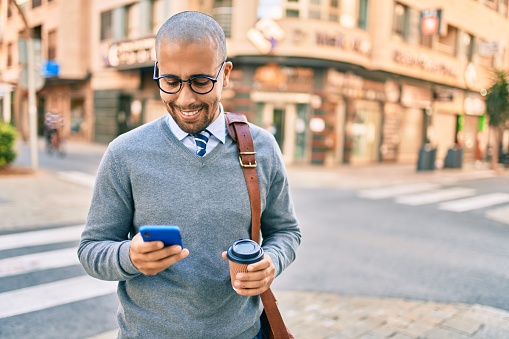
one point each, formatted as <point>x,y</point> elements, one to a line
<point>53,294</point>
<point>43,237</point>
<point>38,262</point>
<point>80,178</point>
<point>476,202</point>
<point>392,191</point>
<point>435,196</point>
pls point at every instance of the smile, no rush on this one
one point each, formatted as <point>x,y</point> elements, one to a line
<point>189,113</point>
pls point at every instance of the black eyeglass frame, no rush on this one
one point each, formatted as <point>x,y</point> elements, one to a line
<point>156,78</point>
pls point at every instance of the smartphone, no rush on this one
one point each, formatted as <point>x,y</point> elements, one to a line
<point>168,234</point>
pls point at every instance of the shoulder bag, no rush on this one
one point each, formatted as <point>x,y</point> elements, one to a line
<point>273,326</point>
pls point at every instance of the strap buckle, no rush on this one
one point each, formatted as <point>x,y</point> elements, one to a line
<point>248,165</point>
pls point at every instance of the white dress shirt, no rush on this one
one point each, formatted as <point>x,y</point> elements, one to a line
<point>217,129</point>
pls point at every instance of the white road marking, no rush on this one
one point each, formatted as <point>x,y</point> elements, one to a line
<point>435,196</point>
<point>476,202</point>
<point>44,237</point>
<point>38,262</point>
<point>500,214</point>
<point>392,191</point>
<point>53,294</point>
<point>79,178</point>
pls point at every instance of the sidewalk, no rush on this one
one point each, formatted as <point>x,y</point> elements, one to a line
<point>44,199</point>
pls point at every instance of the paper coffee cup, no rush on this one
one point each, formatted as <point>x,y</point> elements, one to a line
<point>242,253</point>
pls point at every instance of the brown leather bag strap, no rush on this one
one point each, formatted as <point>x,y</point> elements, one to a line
<point>239,131</point>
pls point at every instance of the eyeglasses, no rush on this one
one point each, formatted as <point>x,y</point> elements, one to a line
<point>172,84</point>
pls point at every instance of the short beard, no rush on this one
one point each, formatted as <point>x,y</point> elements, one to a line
<point>194,128</point>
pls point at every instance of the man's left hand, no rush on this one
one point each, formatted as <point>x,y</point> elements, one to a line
<point>257,280</point>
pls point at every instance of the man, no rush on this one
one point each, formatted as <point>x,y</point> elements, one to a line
<point>157,175</point>
<point>52,124</point>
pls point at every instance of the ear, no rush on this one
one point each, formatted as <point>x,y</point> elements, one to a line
<point>228,66</point>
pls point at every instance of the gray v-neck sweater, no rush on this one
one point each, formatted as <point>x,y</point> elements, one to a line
<point>147,176</point>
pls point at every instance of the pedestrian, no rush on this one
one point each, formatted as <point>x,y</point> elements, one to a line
<point>53,123</point>
<point>156,175</point>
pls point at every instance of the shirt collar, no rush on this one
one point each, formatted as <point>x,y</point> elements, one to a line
<point>217,128</point>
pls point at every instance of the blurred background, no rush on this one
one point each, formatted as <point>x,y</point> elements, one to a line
<point>336,81</point>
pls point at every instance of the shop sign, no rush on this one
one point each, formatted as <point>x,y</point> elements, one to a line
<point>337,80</point>
<point>443,94</point>
<point>50,69</point>
<point>417,97</point>
<point>474,104</point>
<point>265,35</point>
<point>129,53</point>
<point>424,63</point>
<point>354,86</point>
<point>346,42</point>
<point>276,77</point>
<point>488,48</point>
<point>430,21</point>
<point>392,91</point>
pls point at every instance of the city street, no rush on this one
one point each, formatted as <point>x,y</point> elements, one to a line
<point>386,252</point>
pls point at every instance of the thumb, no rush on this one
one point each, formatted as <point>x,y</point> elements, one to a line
<point>224,255</point>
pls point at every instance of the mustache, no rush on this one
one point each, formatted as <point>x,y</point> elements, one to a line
<point>188,108</point>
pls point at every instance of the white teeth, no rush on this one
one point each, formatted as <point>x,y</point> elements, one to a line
<point>189,113</point>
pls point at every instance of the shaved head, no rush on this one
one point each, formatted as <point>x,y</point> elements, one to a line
<point>187,28</point>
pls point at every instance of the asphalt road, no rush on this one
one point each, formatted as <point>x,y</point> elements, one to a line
<point>352,245</point>
<point>357,246</point>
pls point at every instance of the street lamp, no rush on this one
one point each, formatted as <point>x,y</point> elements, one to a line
<point>30,68</point>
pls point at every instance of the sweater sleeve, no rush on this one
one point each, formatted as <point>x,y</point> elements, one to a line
<point>280,230</point>
<point>104,247</point>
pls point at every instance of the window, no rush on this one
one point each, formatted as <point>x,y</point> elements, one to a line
<point>400,21</point>
<point>293,9</point>
<point>222,12</point>
<point>37,32</point>
<point>485,55</point>
<point>363,14</point>
<point>502,7</point>
<point>471,48</point>
<point>9,54</point>
<point>315,11</point>
<point>447,44</point>
<point>52,45</point>
<point>132,23</point>
<point>334,11</point>
<point>426,40</point>
<point>106,25</point>
<point>157,9</point>
<point>490,3</point>
<point>36,3</point>
<point>292,13</point>
<point>466,46</point>
<point>270,9</point>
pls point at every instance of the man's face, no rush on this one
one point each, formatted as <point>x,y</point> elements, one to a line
<point>191,111</point>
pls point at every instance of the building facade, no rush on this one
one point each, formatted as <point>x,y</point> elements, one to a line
<point>336,82</point>
<point>60,30</point>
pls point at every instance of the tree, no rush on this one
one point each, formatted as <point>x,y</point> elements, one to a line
<point>7,144</point>
<point>497,109</point>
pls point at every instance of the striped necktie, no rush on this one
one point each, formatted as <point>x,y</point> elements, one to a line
<point>201,140</point>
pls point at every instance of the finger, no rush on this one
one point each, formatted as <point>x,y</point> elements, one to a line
<point>252,288</point>
<point>224,255</point>
<point>252,283</point>
<point>265,263</point>
<point>140,246</point>
<point>253,276</point>
<point>153,267</point>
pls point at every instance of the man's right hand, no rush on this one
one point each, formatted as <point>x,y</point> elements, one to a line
<point>152,257</point>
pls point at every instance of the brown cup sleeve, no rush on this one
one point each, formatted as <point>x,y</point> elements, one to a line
<point>236,268</point>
